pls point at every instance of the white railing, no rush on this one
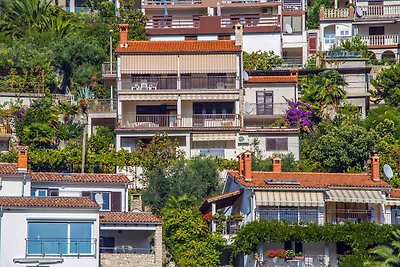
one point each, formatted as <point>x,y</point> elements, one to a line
<point>386,11</point>
<point>249,1</point>
<point>171,2</point>
<point>172,23</point>
<point>292,5</point>
<point>334,13</point>
<point>109,69</point>
<point>250,21</point>
<point>381,40</point>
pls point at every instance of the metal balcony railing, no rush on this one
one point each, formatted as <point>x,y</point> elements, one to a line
<point>130,120</point>
<point>250,20</point>
<point>61,246</point>
<point>109,69</point>
<point>306,260</point>
<point>249,1</point>
<point>126,250</point>
<point>171,2</point>
<point>172,22</point>
<point>102,105</point>
<point>213,152</point>
<point>292,5</point>
<point>381,40</point>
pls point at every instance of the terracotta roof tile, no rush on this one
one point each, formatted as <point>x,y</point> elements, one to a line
<point>128,217</point>
<point>9,168</point>
<point>49,202</point>
<point>310,180</point>
<point>273,79</point>
<point>179,46</point>
<point>79,177</point>
<point>395,193</point>
<point>270,130</point>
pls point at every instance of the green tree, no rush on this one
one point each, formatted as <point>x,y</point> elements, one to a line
<point>387,256</point>
<point>324,91</point>
<point>261,60</point>
<point>387,86</point>
<point>312,21</point>
<point>197,177</point>
<point>187,236</point>
<point>355,44</point>
<point>102,140</point>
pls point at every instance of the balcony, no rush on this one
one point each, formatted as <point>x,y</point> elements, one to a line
<point>187,82</point>
<point>266,109</point>
<point>213,152</point>
<point>307,260</point>
<point>109,70</point>
<point>292,5</point>
<point>51,247</point>
<point>379,11</point>
<point>336,13</point>
<point>355,216</point>
<point>130,120</point>
<point>125,250</point>
<point>212,24</point>
<point>5,129</point>
<point>101,105</point>
<point>170,2</point>
<point>377,41</point>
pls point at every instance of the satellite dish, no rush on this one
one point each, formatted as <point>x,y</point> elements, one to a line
<point>288,29</point>
<point>388,171</point>
<point>359,11</point>
<point>245,76</point>
<point>99,199</point>
<point>247,108</point>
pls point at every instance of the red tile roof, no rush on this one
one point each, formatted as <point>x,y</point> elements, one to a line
<point>48,202</point>
<point>9,168</point>
<point>179,46</point>
<point>395,193</point>
<point>273,79</point>
<point>79,177</point>
<point>270,130</point>
<point>310,180</point>
<point>128,217</point>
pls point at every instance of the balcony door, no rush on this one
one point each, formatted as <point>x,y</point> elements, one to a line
<point>265,100</point>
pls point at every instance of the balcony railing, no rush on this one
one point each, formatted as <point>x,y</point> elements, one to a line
<point>171,2</point>
<point>336,13</point>
<point>126,250</point>
<point>61,246</point>
<point>226,227</point>
<point>130,120</point>
<point>249,1</point>
<point>173,22</point>
<point>265,108</point>
<point>213,152</point>
<point>109,69</point>
<point>379,11</point>
<point>292,5</point>
<point>289,215</point>
<point>356,216</point>
<point>381,40</point>
<point>307,260</point>
<point>5,128</point>
<point>101,105</point>
<point>250,20</point>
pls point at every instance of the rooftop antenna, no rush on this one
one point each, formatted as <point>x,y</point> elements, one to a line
<point>288,29</point>
<point>359,11</point>
<point>388,171</point>
<point>99,199</point>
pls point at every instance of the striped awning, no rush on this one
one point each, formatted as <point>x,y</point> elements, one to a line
<point>392,202</point>
<point>355,196</point>
<point>290,198</point>
<point>214,137</point>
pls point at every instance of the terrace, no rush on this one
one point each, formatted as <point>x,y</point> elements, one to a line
<point>368,12</point>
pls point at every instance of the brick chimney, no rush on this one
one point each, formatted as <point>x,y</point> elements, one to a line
<point>375,171</point>
<point>22,164</point>
<point>123,35</point>
<point>238,34</point>
<point>277,164</point>
<point>247,166</point>
<point>241,164</point>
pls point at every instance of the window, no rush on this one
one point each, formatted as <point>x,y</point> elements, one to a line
<point>289,214</point>
<point>190,38</point>
<point>273,144</point>
<point>265,100</point>
<point>106,200</point>
<point>329,38</point>
<point>60,238</point>
<point>294,21</point>
<point>344,33</point>
<point>379,30</point>
<point>395,215</point>
<point>38,192</point>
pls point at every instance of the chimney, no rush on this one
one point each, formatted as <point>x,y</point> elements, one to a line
<point>277,164</point>
<point>241,164</point>
<point>375,171</point>
<point>22,164</point>
<point>247,166</point>
<point>123,35</point>
<point>238,34</point>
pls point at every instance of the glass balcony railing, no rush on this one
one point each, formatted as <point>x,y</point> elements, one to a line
<point>61,246</point>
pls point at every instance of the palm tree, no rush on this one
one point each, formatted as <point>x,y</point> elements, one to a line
<point>68,110</point>
<point>388,256</point>
<point>325,90</point>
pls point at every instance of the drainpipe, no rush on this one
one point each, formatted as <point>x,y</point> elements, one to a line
<point>126,198</point>
<point>23,185</point>
<point>1,217</point>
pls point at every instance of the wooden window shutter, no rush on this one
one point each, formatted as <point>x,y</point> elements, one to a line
<point>86,194</point>
<point>116,198</point>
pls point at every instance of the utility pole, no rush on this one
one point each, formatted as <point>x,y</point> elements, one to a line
<point>111,70</point>
<point>84,144</point>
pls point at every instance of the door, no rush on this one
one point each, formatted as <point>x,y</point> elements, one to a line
<point>264,100</point>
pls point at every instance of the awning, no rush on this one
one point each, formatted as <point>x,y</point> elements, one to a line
<point>214,137</point>
<point>290,198</point>
<point>392,202</point>
<point>355,196</point>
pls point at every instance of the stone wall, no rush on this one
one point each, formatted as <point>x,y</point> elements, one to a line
<point>125,260</point>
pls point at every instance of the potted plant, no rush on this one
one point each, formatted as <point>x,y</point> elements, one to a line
<point>299,255</point>
<point>207,217</point>
<point>271,253</point>
<point>290,254</point>
<point>237,217</point>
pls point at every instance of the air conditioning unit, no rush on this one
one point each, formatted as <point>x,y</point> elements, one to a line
<point>243,139</point>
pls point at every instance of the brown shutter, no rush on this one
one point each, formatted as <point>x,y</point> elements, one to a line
<point>116,198</point>
<point>86,194</point>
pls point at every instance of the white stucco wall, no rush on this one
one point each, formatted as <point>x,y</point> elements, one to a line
<point>13,186</point>
<point>263,42</point>
<point>14,231</point>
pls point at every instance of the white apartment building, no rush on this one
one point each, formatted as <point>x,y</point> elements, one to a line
<point>54,219</point>
<point>376,22</point>
<point>190,90</point>
<point>301,197</point>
